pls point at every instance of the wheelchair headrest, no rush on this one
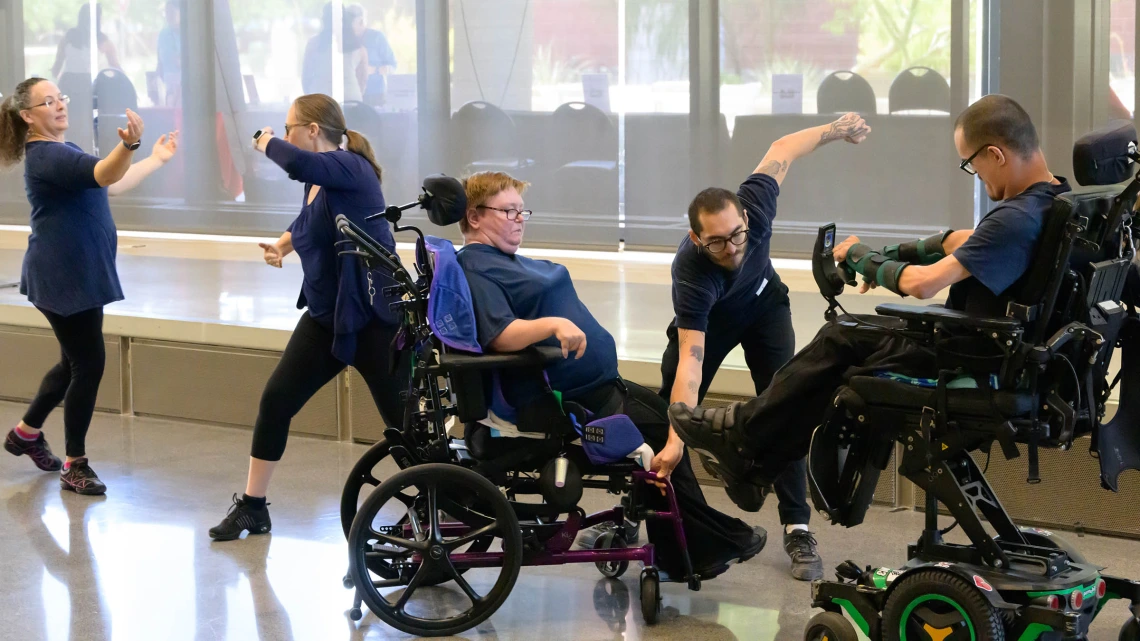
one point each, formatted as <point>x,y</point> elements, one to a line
<point>447,200</point>
<point>451,314</point>
<point>1104,156</point>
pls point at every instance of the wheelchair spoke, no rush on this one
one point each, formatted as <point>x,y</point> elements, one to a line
<point>466,587</point>
<point>433,512</point>
<point>398,542</point>
<point>470,536</point>
<point>408,501</point>
<point>371,480</point>
<point>413,585</point>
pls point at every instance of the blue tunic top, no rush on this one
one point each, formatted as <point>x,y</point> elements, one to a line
<point>335,288</point>
<point>70,263</point>
<point>505,287</point>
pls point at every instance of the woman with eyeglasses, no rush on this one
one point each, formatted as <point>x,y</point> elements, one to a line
<point>347,320</point>
<point>69,269</point>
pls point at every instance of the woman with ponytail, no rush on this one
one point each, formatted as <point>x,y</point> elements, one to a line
<point>347,321</point>
<point>69,268</point>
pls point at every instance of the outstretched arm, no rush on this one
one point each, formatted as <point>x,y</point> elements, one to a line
<point>850,127</point>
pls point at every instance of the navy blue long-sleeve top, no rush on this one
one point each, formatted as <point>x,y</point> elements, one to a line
<point>70,263</point>
<point>335,288</point>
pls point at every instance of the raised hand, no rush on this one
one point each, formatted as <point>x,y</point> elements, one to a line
<point>850,127</point>
<point>134,131</point>
<point>165,147</point>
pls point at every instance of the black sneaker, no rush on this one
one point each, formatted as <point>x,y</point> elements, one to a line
<point>630,531</point>
<point>806,563</point>
<point>711,433</point>
<point>81,479</point>
<point>240,518</point>
<point>759,540</point>
<point>37,450</point>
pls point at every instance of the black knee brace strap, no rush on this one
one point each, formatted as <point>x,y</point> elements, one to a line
<point>875,267</point>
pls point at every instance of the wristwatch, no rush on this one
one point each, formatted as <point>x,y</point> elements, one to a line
<point>134,146</point>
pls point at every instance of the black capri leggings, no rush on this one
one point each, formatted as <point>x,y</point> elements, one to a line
<point>308,364</point>
<point>74,381</point>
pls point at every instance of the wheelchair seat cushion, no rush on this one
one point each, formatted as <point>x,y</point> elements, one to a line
<point>884,392</point>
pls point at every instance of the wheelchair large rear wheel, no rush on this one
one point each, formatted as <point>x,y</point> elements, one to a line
<point>363,475</point>
<point>933,605</point>
<point>413,525</point>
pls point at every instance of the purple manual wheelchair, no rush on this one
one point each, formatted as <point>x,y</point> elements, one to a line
<point>436,548</point>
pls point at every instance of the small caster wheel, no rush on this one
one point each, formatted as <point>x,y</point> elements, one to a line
<point>830,626</point>
<point>695,583</point>
<point>1130,631</point>
<point>347,582</point>
<point>650,595</point>
<point>611,569</point>
<point>355,614</point>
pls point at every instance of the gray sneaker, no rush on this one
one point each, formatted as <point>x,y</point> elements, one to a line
<point>801,548</point>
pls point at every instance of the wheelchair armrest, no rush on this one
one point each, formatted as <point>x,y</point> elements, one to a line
<point>529,357</point>
<point>947,317</point>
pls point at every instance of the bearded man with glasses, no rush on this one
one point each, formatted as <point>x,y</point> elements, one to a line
<point>726,293</point>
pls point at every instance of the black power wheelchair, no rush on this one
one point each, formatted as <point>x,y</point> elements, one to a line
<point>456,508</point>
<point>1038,378</point>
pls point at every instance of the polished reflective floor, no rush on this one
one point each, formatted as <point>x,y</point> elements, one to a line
<point>138,564</point>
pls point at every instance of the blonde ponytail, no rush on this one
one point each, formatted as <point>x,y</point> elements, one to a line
<point>359,145</point>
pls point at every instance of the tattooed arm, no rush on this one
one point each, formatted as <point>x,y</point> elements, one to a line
<point>686,385</point>
<point>690,366</point>
<point>784,151</point>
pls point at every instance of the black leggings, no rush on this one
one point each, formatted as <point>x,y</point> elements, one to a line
<point>308,364</point>
<point>74,381</point>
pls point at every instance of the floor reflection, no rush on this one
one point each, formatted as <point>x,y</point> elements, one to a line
<point>59,538</point>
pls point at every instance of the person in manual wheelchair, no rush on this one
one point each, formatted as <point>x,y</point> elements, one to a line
<point>750,443</point>
<point>519,302</point>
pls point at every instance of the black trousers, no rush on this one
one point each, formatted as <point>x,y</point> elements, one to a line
<point>308,364</point>
<point>768,341</point>
<point>779,423</point>
<point>74,381</point>
<point>712,536</point>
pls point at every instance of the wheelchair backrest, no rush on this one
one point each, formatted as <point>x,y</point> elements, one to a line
<point>1035,293</point>
<point>451,315</point>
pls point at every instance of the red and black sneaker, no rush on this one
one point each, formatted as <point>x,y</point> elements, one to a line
<point>37,449</point>
<point>81,479</point>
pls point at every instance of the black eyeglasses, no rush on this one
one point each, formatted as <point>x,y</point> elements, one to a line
<point>512,214</point>
<point>720,244</point>
<point>967,164</point>
<point>50,102</point>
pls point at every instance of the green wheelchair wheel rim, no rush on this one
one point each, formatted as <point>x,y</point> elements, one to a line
<point>910,608</point>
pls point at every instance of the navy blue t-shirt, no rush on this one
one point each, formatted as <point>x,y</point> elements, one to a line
<point>699,284</point>
<point>335,288</point>
<point>507,287</point>
<point>70,263</point>
<point>1001,249</point>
